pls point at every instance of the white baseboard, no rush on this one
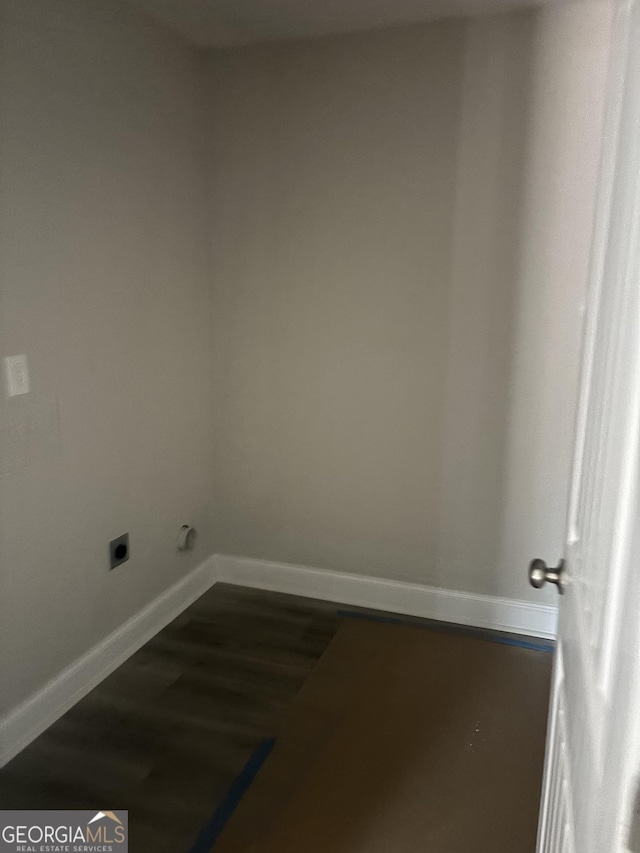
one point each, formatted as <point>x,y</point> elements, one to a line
<point>37,713</point>
<point>409,599</point>
<point>32,717</point>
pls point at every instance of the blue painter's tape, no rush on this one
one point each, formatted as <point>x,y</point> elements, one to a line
<point>231,800</point>
<point>458,629</point>
<point>376,617</point>
<point>522,644</point>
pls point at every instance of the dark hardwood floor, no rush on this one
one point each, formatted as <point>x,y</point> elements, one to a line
<point>166,734</point>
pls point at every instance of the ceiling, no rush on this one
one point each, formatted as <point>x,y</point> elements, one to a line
<point>220,23</point>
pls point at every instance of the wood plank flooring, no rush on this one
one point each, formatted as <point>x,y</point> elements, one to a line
<point>165,735</point>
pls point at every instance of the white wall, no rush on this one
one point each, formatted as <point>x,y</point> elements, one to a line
<point>103,265</point>
<point>400,244</point>
<point>333,175</point>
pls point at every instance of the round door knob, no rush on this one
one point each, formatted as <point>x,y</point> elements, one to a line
<point>540,574</point>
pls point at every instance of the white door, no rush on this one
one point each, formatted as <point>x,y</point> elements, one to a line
<point>593,760</point>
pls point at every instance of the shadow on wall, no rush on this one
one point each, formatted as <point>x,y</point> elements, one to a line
<point>524,209</point>
<point>495,114</point>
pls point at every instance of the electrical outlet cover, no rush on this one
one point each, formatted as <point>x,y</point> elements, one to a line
<point>118,551</point>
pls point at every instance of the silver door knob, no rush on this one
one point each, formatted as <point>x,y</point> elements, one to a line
<point>540,574</point>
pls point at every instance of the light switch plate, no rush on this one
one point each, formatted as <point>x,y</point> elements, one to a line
<point>17,375</point>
